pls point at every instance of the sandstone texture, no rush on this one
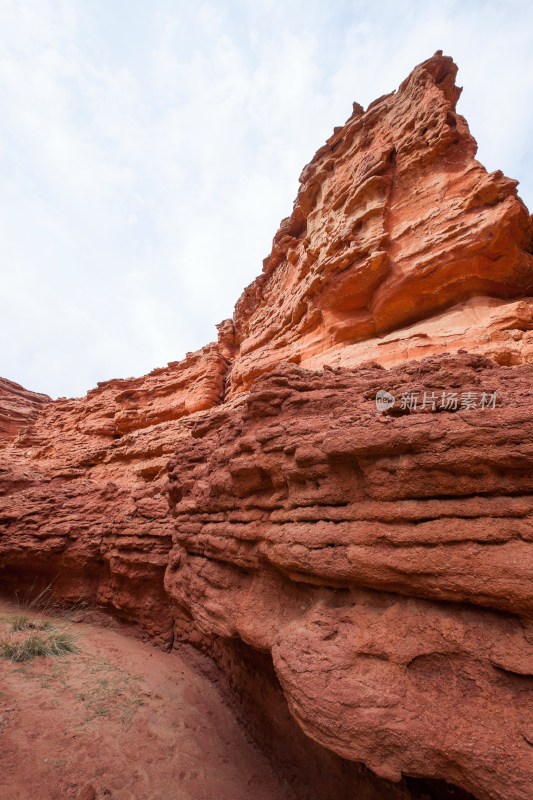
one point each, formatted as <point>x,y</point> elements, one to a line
<point>384,561</point>
<point>82,487</point>
<point>395,222</point>
<point>18,407</point>
<point>363,577</point>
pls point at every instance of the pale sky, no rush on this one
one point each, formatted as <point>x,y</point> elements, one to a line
<point>150,148</point>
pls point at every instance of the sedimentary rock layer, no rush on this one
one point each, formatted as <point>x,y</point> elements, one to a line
<point>82,487</point>
<point>18,407</point>
<point>383,559</point>
<point>395,221</point>
<point>373,567</point>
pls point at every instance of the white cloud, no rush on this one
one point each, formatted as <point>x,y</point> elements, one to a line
<point>149,151</point>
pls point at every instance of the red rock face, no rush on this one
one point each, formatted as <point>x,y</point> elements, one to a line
<point>383,560</point>
<point>395,222</point>
<point>18,407</point>
<point>371,569</point>
<point>83,487</point>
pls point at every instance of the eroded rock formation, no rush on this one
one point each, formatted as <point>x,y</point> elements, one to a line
<point>395,221</point>
<point>18,407</point>
<point>372,570</point>
<point>371,555</point>
<point>84,487</point>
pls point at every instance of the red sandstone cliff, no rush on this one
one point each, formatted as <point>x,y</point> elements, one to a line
<point>375,566</point>
<point>18,407</point>
<point>395,222</point>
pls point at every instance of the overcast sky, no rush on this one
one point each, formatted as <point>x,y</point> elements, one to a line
<point>149,149</point>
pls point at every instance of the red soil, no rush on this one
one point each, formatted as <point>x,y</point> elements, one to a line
<point>121,720</point>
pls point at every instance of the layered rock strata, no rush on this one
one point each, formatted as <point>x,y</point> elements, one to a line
<point>18,407</point>
<point>363,577</point>
<point>384,560</point>
<point>395,222</point>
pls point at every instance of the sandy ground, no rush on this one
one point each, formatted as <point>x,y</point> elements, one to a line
<point>120,720</point>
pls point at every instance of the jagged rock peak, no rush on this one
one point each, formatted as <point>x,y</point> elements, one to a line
<point>400,245</point>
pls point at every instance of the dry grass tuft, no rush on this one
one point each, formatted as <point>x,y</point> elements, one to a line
<point>20,622</point>
<point>52,643</point>
<point>28,633</point>
<point>43,603</point>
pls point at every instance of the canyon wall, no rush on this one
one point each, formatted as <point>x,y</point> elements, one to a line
<point>395,223</point>
<point>18,407</point>
<point>362,576</point>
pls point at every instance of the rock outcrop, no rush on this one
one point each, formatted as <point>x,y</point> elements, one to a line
<point>395,222</point>
<point>83,487</point>
<point>18,407</point>
<point>383,560</point>
<point>368,569</point>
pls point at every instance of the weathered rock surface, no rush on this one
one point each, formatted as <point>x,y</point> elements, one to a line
<point>371,569</point>
<point>83,487</point>
<point>499,329</point>
<point>395,221</point>
<point>18,406</point>
<point>384,560</point>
